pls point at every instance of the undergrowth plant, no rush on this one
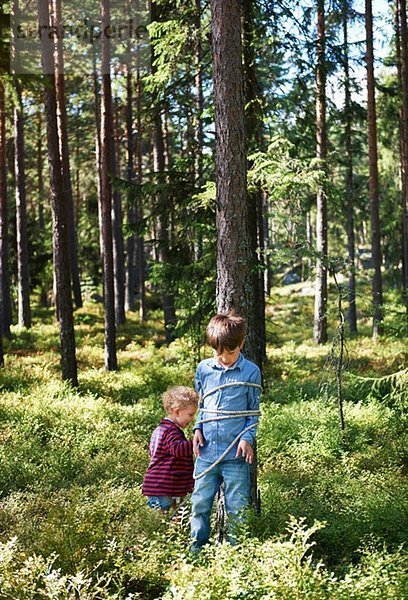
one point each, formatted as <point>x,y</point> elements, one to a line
<point>73,521</point>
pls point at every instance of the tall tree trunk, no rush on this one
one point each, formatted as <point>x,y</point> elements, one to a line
<point>320,310</point>
<point>106,196</point>
<point>135,279</point>
<point>253,127</point>
<point>40,178</point>
<point>163,224</point>
<point>5,300</point>
<point>97,110</point>
<point>131,273</point>
<point>159,167</point>
<point>373,178</point>
<point>403,76</point>
<point>65,156</point>
<point>352,311</point>
<point>140,252</point>
<point>117,223</point>
<point>199,97</point>
<point>59,217</point>
<point>23,278</point>
<point>235,251</point>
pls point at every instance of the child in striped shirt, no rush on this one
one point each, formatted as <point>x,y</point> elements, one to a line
<point>170,472</point>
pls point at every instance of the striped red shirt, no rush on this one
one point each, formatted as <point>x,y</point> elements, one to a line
<point>170,472</point>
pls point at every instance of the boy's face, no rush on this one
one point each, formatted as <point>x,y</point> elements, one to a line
<point>227,358</point>
<point>184,416</point>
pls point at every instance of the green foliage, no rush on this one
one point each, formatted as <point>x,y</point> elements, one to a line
<point>285,568</point>
<point>74,523</point>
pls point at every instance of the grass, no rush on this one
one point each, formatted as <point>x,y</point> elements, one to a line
<point>73,522</point>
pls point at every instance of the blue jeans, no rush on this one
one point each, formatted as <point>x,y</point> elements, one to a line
<point>160,502</point>
<point>235,475</point>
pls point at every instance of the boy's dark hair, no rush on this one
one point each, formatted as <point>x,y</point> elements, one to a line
<point>226,331</point>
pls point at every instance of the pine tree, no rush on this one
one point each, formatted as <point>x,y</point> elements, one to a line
<point>5,300</point>
<point>106,196</point>
<point>320,314</point>
<point>65,155</point>
<point>349,202</point>
<point>23,278</point>
<point>59,217</point>
<point>236,261</point>
<point>373,178</point>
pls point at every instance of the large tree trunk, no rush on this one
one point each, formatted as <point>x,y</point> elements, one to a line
<point>237,265</point>
<point>64,154</point>
<point>106,196</point>
<point>59,217</point>
<point>403,76</point>
<point>377,293</point>
<point>5,299</point>
<point>320,310</point>
<point>23,278</point>
<point>352,311</point>
<point>236,259</point>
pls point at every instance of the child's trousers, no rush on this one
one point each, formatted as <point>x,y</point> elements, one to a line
<point>235,475</point>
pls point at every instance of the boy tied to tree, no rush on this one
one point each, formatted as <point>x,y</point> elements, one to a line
<point>229,386</point>
<point>170,472</point>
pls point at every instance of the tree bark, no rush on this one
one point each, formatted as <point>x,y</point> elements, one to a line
<point>402,43</point>
<point>377,293</point>
<point>23,277</point>
<point>131,273</point>
<point>140,251</point>
<point>253,127</point>
<point>117,224</point>
<point>320,310</point>
<point>59,217</point>
<point>65,156</point>
<point>159,167</point>
<point>199,97</point>
<point>106,196</point>
<point>236,220</point>
<point>233,247</point>
<point>352,310</point>
<point>235,256</point>
<point>5,299</point>
<point>163,224</point>
<point>40,178</point>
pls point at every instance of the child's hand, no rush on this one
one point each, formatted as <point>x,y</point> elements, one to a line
<point>246,451</point>
<point>198,440</point>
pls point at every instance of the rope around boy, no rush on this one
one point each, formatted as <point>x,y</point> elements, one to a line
<point>226,414</point>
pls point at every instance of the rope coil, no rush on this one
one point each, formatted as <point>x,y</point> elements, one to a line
<point>226,414</point>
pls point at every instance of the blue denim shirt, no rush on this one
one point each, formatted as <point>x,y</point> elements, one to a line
<point>219,434</point>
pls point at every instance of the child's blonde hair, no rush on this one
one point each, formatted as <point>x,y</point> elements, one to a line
<point>179,397</point>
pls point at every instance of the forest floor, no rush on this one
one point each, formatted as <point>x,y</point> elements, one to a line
<point>334,518</point>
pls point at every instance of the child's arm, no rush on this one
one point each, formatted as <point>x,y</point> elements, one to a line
<point>198,439</point>
<point>177,445</point>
